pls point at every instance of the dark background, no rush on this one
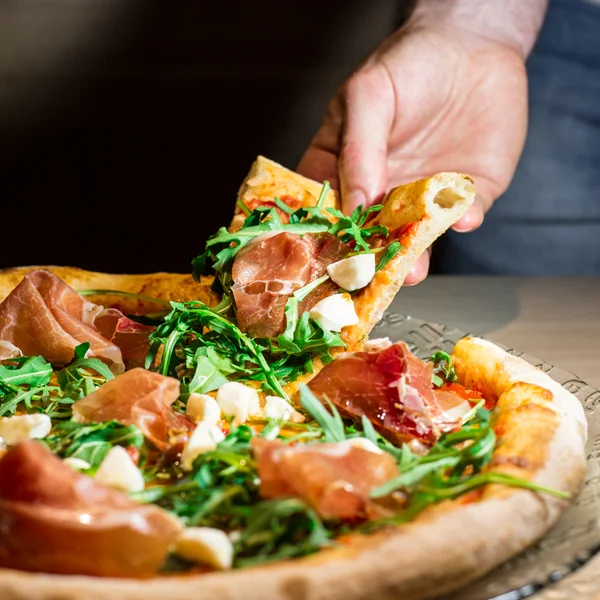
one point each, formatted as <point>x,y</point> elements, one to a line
<point>126,128</point>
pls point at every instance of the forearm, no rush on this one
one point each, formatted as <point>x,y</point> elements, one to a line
<point>515,23</point>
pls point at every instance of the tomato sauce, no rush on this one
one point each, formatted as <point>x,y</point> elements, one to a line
<point>472,395</point>
<point>293,203</point>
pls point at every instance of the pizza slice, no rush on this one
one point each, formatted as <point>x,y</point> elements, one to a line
<point>374,249</point>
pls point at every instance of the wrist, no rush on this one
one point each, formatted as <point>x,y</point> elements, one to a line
<point>514,23</point>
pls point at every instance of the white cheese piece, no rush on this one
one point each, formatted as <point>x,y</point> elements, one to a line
<point>202,407</point>
<point>205,545</point>
<point>14,430</point>
<point>205,437</point>
<point>278,408</point>
<point>118,471</point>
<point>353,273</point>
<point>365,444</point>
<point>77,463</point>
<point>238,401</point>
<point>335,312</point>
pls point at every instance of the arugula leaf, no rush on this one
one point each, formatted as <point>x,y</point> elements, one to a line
<point>283,206</point>
<point>210,370</point>
<point>210,329</point>
<point>332,424</point>
<point>31,370</point>
<point>280,529</point>
<point>243,208</point>
<point>83,375</point>
<point>91,442</point>
<point>442,362</point>
<point>305,334</point>
<point>350,228</point>
<point>390,252</point>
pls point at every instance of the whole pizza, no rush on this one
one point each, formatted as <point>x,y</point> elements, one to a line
<point>235,433</point>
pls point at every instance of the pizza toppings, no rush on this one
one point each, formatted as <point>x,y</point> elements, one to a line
<point>335,479</point>
<point>20,428</point>
<point>118,471</point>
<point>267,272</point>
<point>205,437</point>
<point>205,545</point>
<point>55,520</point>
<point>131,337</point>
<point>142,398</point>
<point>335,312</point>
<point>391,387</point>
<point>238,401</point>
<point>353,273</point>
<point>202,407</point>
<point>44,316</point>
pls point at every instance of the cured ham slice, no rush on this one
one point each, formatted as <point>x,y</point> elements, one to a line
<point>44,316</point>
<point>335,479</point>
<point>266,273</point>
<point>391,387</point>
<point>142,398</point>
<point>56,520</point>
<point>131,337</point>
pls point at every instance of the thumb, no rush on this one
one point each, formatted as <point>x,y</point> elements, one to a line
<point>362,167</point>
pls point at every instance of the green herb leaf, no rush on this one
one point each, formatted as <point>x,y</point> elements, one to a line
<point>91,442</point>
<point>332,424</point>
<point>388,254</point>
<point>31,371</point>
<point>442,362</point>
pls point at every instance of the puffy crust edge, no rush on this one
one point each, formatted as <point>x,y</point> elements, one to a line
<point>165,286</point>
<point>446,547</point>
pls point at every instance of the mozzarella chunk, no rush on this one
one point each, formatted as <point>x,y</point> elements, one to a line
<point>202,407</point>
<point>278,408</point>
<point>205,437</point>
<point>14,430</point>
<point>238,401</point>
<point>335,312</point>
<point>353,273</point>
<point>365,444</point>
<point>118,471</point>
<point>205,545</point>
<point>77,463</point>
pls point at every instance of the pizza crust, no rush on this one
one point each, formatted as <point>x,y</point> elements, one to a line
<point>165,286</point>
<point>543,433</point>
<point>433,205</point>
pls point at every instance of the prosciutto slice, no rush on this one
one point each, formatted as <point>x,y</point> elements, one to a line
<point>266,273</point>
<point>131,337</point>
<point>56,520</point>
<point>44,316</point>
<point>335,479</point>
<point>391,387</point>
<point>142,398</point>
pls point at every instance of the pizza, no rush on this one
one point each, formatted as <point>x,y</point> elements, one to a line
<point>235,433</point>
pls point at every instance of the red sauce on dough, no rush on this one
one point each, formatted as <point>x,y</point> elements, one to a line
<point>293,203</point>
<point>473,395</point>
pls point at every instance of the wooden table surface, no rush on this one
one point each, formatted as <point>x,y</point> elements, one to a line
<point>555,319</point>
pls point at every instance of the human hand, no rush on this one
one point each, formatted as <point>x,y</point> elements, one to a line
<point>436,96</point>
